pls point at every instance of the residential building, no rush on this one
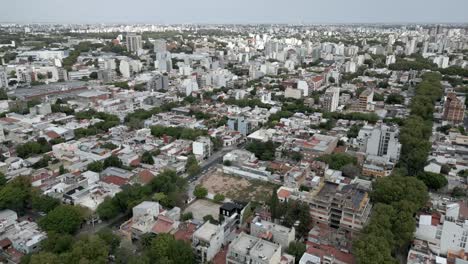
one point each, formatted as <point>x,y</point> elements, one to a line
<point>134,43</point>
<point>272,232</point>
<point>454,108</point>
<point>239,123</point>
<point>384,142</point>
<point>331,98</point>
<point>3,78</point>
<point>158,82</point>
<point>365,100</point>
<point>207,241</point>
<point>249,249</point>
<point>202,147</point>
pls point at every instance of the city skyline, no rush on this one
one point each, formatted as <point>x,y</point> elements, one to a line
<point>238,12</point>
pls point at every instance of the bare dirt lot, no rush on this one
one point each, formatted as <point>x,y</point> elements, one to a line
<point>237,188</point>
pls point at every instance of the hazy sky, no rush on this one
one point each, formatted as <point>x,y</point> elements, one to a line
<point>234,11</point>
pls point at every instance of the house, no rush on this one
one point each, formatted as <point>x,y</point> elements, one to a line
<point>144,217</point>
<point>207,241</point>
<point>272,232</point>
<point>249,249</point>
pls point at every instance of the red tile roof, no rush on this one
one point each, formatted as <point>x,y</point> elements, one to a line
<point>284,193</point>
<point>326,250</point>
<point>52,134</point>
<point>185,231</point>
<point>163,225</point>
<point>115,180</point>
<point>145,176</point>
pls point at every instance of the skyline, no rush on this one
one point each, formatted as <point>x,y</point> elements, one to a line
<point>239,12</point>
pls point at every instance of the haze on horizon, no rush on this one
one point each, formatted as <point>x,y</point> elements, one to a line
<point>235,11</point>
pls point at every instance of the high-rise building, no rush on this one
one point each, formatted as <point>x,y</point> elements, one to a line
<point>410,47</point>
<point>365,100</point>
<point>383,142</point>
<point>3,78</point>
<point>331,98</point>
<point>239,124</point>
<point>160,46</point>
<point>133,42</point>
<point>158,82</point>
<point>454,108</point>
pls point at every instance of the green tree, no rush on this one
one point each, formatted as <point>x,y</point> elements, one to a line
<point>187,216</point>
<point>96,166</point>
<point>57,243</point>
<point>192,166</point>
<point>391,190</point>
<point>219,198</point>
<point>111,239</point>
<point>395,98</point>
<point>15,194</point>
<point>90,249</point>
<point>3,180</point>
<point>63,219</point>
<point>147,158</point>
<point>43,203</point>
<point>200,192</point>
<point>107,209</point>
<point>337,161</point>
<point>165,249</point>
<point>433,181</point>
<point>112,161</point>
<point>296,249</point>
<point>370,249</point>
<point>274,205</point>
<point>45,258</point>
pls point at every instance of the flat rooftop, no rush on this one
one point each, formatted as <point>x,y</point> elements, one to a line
<point>255,247</point>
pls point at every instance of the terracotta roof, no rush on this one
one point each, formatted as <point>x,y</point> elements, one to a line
<point>284,193</point>
<point>185,231</point>
<point>326,250</point>
<point>52,134</point>
<point>115,180</point>
<point>163,225</point>
<point>145,176</point>
<point>4,243</point>
<point>8,120</point>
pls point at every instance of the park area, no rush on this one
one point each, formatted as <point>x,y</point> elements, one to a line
<point>237,188</point>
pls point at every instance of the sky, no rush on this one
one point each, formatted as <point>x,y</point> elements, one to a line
<point>234,11</point>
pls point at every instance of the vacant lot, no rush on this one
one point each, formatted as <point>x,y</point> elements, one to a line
<point>201,208</point>
<point>237,188</point>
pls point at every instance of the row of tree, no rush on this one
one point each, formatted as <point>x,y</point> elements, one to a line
<point>397,198</point>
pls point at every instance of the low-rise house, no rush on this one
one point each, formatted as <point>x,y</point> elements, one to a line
<point>272,232</point>
<point>249,249</point>
<point>207,241</point>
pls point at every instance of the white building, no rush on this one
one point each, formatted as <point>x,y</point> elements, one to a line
<point>331,99</point>
<point>207,241</point>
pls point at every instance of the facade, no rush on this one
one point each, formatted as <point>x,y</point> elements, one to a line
<point>3,78</point>
<point>341,206</point>
<point>202,147</point>
<point>454,108</point>
<point>133,42</point>
<point>331,99</point>
<point>365,100</point>
<point>249,249</point>
<point>207,241</point>
<point>384,142</point>
<point>240,124</point>
<point>160,46</point>
<point>158,82</point>
<point>273,232</point>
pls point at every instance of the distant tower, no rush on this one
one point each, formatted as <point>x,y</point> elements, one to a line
<point>133,42</point>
